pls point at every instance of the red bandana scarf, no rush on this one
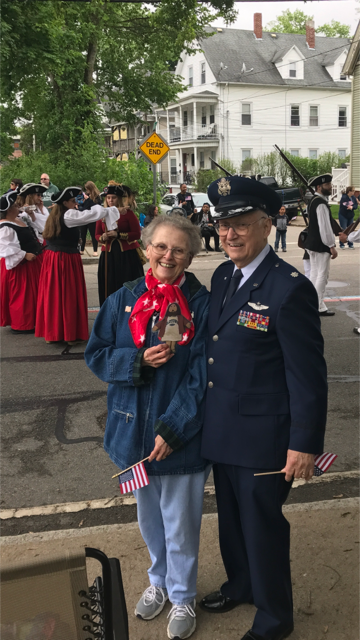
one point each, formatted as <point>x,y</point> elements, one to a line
<point>157,298</point>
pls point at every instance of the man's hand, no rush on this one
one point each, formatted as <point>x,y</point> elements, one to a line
<point>299,465</point>
<point>343,237</point>
<point>156,356</point>
<point>161,450</point>
<point>333,253</point>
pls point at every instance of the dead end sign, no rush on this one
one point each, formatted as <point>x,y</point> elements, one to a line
<point>154,148</point>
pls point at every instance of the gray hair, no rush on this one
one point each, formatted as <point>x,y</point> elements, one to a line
<point>179,223</point>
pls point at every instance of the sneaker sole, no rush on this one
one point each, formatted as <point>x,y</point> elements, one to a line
<point>184,637</point>
<point>157,612</point>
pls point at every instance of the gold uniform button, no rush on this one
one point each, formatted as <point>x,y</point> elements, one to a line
<point>211,361</point>
<point>215,338</point>
<point>210,385</point>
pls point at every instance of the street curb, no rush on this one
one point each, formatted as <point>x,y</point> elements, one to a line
<point>345,503</point>
<point>129,500</point>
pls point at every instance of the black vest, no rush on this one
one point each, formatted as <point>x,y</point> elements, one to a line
<point>67,240</point>
<point>313,241</point>
<point>27,238</point>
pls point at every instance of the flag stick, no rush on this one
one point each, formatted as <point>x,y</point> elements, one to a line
<point>128,469</point>
<point>268,473</point>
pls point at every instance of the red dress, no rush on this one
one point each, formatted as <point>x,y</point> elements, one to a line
<point>62,302</point>
<point>19,285</point>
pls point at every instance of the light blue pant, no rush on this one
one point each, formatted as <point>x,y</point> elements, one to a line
<point>169,516</point>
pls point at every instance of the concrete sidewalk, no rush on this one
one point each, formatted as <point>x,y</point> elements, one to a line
<point>324,560</point>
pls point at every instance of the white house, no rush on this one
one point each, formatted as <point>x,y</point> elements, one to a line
<point>248,90</point>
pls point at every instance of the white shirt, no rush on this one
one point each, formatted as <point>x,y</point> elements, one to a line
<point>354,236</point>
<point>250,268</point>
<point>38,224</point>
<point>10,248</point>
<point>326,232</point>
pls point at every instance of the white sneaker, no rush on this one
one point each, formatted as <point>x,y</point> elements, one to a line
<point>182,622</point>
<point>151,603</point>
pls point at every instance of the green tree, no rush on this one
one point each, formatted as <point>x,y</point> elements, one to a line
<point>62,62</point>
<point>295,22</point>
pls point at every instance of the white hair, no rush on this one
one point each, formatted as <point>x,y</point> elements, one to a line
<point>179,223</point>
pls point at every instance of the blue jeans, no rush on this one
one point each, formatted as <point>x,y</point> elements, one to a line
<point>169,515</point>
<point>282,235</point>
<point>344,222</point>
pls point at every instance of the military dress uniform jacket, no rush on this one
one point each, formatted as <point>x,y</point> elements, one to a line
<point>267,390</point>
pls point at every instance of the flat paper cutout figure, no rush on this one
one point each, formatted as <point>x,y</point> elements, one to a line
<point>172,326</point>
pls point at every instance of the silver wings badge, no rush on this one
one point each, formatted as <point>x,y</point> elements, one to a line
<point>257,305</point>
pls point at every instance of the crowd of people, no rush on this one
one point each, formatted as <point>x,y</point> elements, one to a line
<point>196,379</point>
<point>43,287</point>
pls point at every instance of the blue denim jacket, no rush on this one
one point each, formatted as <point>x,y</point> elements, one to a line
<point>143,401</point>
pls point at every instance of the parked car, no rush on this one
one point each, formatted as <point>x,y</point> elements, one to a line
<point>169,201</point>
<point>290,196</point>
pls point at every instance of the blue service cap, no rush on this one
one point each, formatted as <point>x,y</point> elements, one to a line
<point>235,196</point>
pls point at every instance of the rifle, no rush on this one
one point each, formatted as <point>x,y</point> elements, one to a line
<point>334,225</point>
<point>220,167</point>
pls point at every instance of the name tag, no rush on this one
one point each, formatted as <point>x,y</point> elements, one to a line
<point>253,320</point>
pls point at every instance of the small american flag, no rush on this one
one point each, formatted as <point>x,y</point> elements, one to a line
<point>323,462</point>
<point>135,478</point>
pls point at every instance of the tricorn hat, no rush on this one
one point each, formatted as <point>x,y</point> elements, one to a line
<point>31,188</point>
<point>235,196</point>
<point>8,199</point>
<point>114,190</point>
<point>314,182</point>
<point>66,194</point>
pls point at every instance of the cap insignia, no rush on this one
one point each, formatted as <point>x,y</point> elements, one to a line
<point>71,193</point>
<point>224,187</point>
<point>294,274</point>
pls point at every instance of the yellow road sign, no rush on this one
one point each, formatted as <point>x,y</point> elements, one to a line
<point>154,148</point>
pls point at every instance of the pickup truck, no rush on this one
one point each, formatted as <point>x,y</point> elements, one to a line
<point>289,195</point>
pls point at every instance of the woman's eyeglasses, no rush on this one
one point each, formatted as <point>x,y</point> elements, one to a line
<point>161,249</point>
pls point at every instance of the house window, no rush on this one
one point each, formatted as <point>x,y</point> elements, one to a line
<point>123,133</point>
<point>342,117</point>
<point>191,77</point>
<point>185,118</point>
<point>313,154</point>
<point>342,153</point>
<point>203,116</point>
<point>295,115</point>
<point>245,113</point>
<point>192,159</point>
<point>191,117</point>
<point>292,70</point>
<point>295,152</point>
<point>203,73</point>
<point>314,116</point>
<point>173,166</point>
<point>212,114</point>
<point>245,153</point>
<point>213,154</point>
<point>202,161</point>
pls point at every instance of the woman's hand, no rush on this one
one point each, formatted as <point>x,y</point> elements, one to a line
<point>333,253</point>
<point>30,257</point>
<point>343,237</point>
<point>112,234</point>
<point>156,356</point>
<point>161,450</point>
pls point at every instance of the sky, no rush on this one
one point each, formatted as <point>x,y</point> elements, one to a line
<point>323,11</point>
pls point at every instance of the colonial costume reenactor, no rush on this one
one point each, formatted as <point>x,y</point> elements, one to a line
<point>20,268</point>
<point>265,407</point>
<point>320,242</point>
<point>121,258</point>
<point>62,304</point>
<point>33,210</point>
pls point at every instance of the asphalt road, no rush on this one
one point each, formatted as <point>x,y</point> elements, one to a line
<point>54,408</point>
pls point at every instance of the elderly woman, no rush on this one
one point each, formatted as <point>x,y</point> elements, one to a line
<point>155,403</point>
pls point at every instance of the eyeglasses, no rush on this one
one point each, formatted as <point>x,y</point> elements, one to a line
<point>161,249</point>
<point>240,228</point>
<point>42,179</point>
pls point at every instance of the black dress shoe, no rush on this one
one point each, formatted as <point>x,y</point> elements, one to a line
<point>217,603</point>
<point>251,635</point>
<point>22,330</point>
<point>326,313</point>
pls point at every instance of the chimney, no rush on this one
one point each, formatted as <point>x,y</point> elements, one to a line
<point>310,34</point>
<point>258,26</point>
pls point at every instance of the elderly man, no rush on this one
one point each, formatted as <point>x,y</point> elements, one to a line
<point>50,189</point>
<point>320,243</point>
<point>266,403</point>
